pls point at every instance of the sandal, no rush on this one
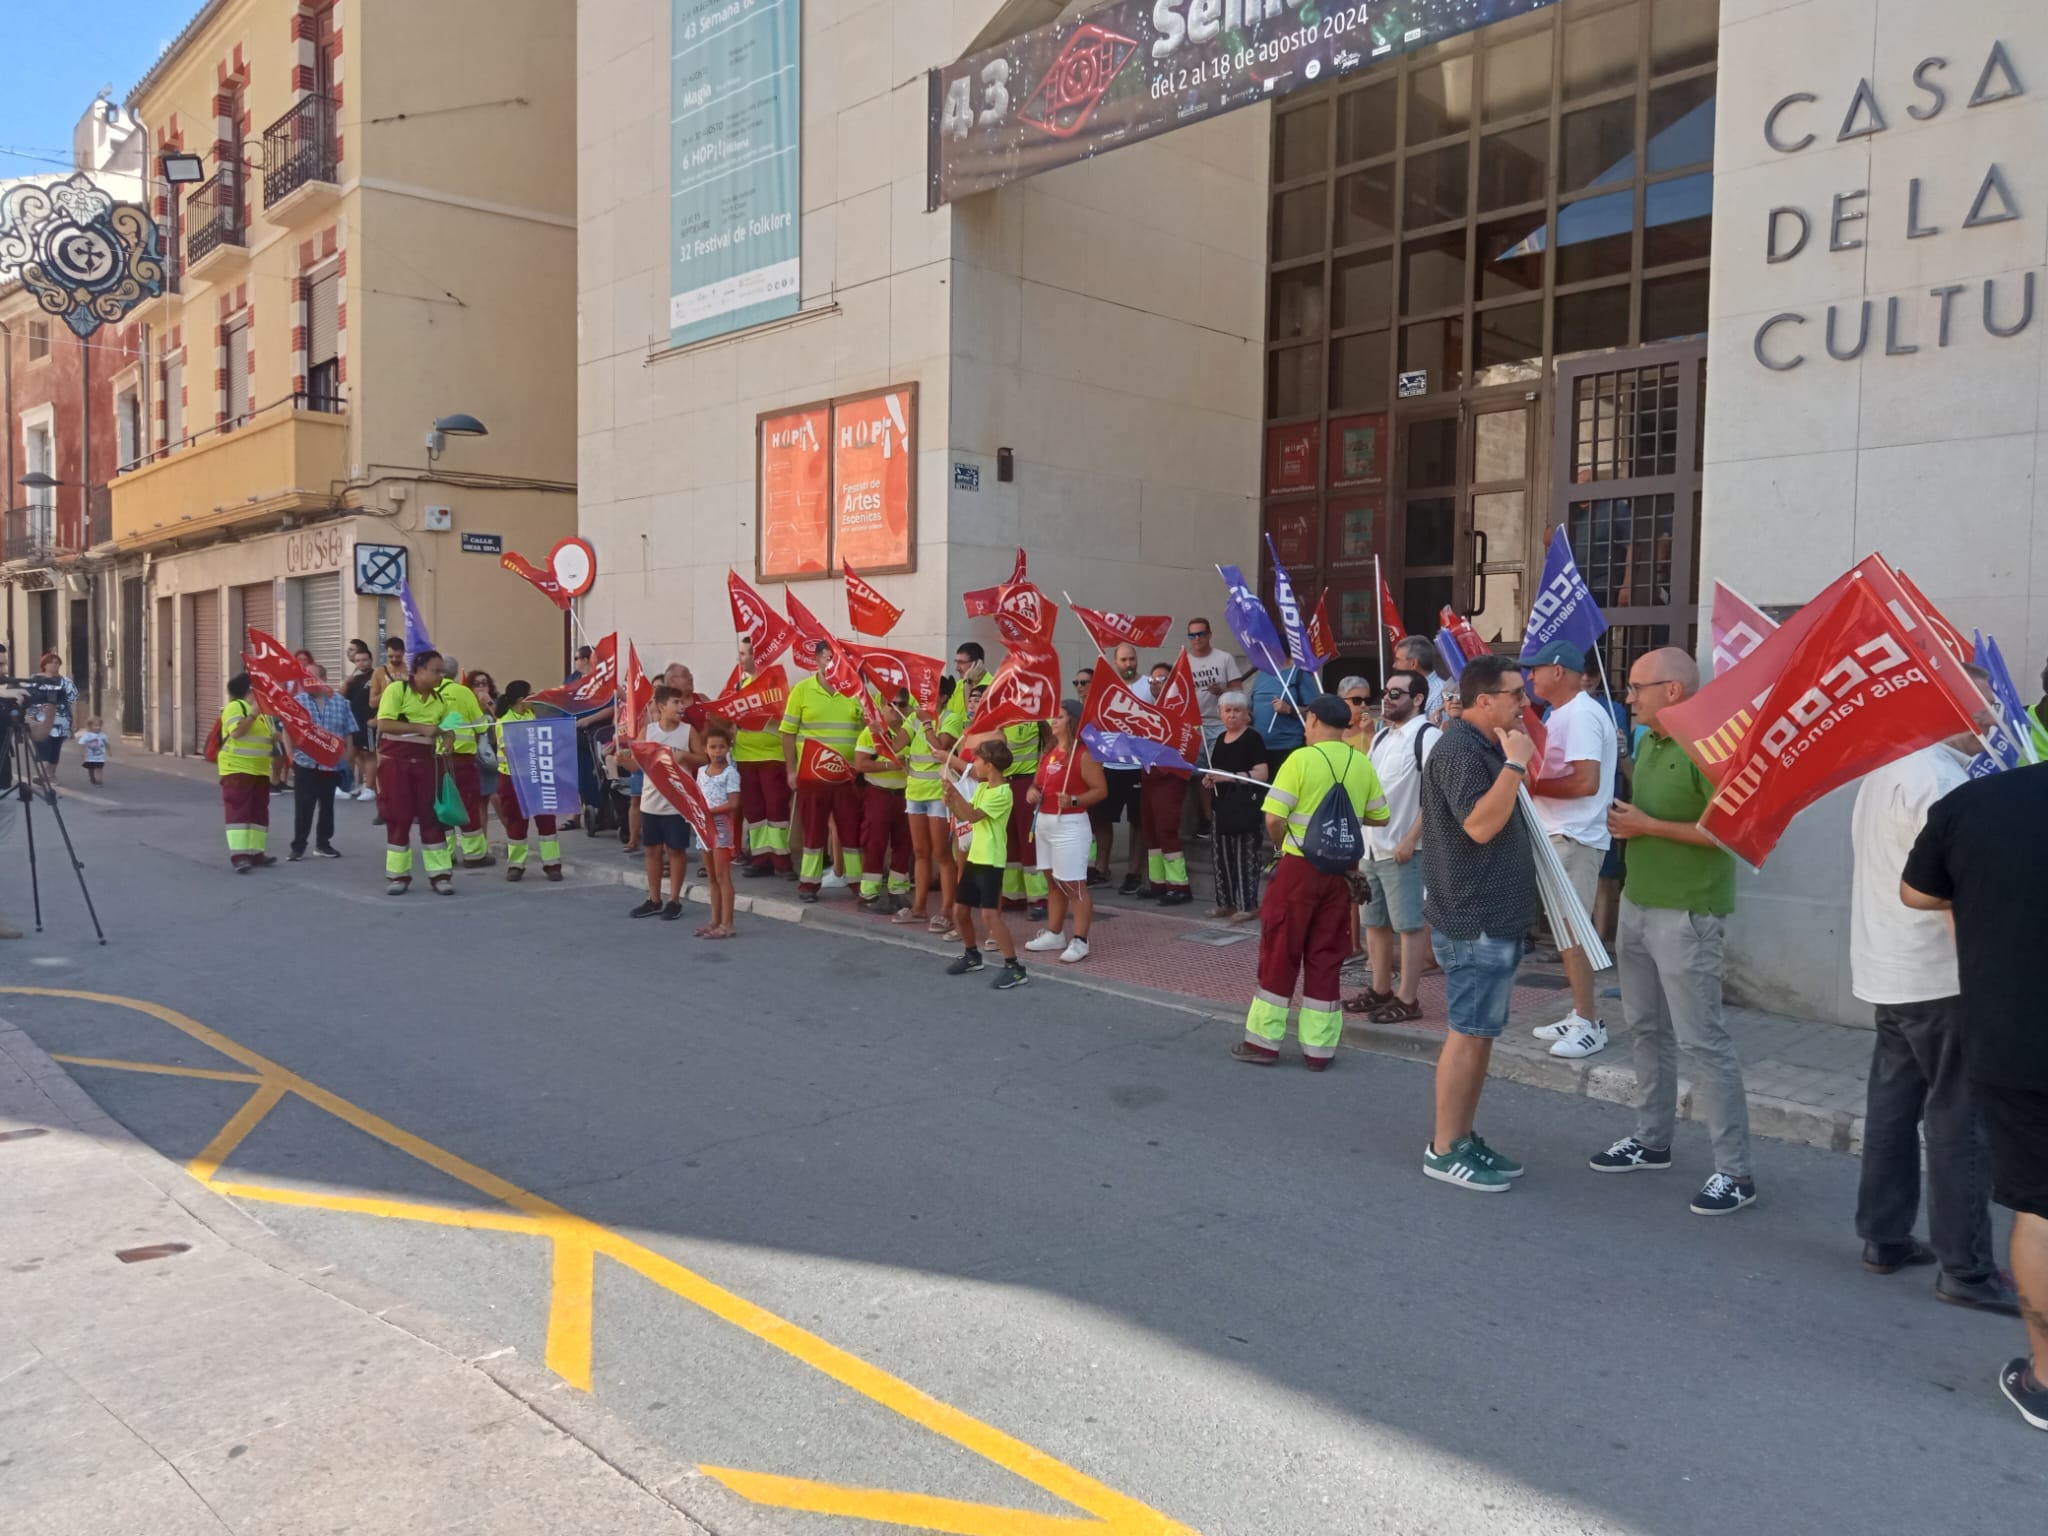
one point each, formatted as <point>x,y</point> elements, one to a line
<point>1367,1001</point>
<point>938,925</point>
<point>906,918</point>
<point>1397,1012</point>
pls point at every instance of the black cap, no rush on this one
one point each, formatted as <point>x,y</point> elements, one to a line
<point>1330,709</point>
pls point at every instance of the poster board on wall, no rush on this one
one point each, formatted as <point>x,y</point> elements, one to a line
<point>793,493</point>
<point>836,481</point>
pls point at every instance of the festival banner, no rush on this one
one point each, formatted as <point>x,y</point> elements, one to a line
<point>1147,631</point>
<point>874,480</point>
<point>795,492</point>
<point>1250,623</point>
<point>817,763</point>
<point>752,617</point>
<point>866,609</point>
<point>541,581</point>
<point>903,671</point>
<point>1293,618</point>
<point>678,787</point>
<point>981,603</point>
<point>316,741</point>
<point>540,760</point>
<point>1738,627</point>
<point>1122,71</point>
<point>1026,687</point>
<point>594,692</point>
<point>416,639</point>
<point>1564,608</point>
<point>1865,685</point>
<point>267,661</point>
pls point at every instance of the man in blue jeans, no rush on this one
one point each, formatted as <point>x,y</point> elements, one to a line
<point>1480,899</point>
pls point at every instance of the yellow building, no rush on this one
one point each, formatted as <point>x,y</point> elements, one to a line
<point>375,232</point>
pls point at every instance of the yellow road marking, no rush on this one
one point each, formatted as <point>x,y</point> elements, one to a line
<point>230,1136</point>
<point>578,1239</point>
<point>913,1509</point>
<point>212,1073</point>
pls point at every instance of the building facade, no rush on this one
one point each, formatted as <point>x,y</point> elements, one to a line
<point>1407,308</point>
<point>382,237</point>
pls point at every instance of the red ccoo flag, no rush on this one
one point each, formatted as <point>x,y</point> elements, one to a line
<point>541,581</point>
<point>1944,631</point>
<point>1147,631</point>
<point>316,741</point>
<point>817,763</point>
<point>755,707</point>
<point>752,617</point>
<point>1026,687</point>
<point>867,610</point>
<point>1390,612</point>
<point>676,787</point>
<point>1863,687</point>
<point>1738,627</point>
<point>268,661</point>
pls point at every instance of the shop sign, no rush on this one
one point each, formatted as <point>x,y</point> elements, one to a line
<point>735,112</point>
<point>313,550</point>
<point>1127,70</point>
<point>1931,209</point>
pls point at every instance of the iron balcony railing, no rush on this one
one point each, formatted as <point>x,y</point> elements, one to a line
<point>41,533</point>
<point>213,214</point>
<point>299,148</point>
<point>174,254</point>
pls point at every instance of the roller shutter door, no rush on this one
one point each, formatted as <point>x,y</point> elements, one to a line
<point>259,611</point>
<point>209,680</point>
<point>316,620</point>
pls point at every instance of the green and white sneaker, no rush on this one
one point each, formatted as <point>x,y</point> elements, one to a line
<point>1465,1165</point>
<point>1495,1159</point>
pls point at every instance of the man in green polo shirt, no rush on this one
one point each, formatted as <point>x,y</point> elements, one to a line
<point>1679,890</point>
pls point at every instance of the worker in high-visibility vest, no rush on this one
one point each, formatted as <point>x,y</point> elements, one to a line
<point>924,805</point>
<point>1023,881</point>
<point>513,708</point>
<point>970,664</point>
<point>764,789</point>
<point>466,722</point>
<point>245,739</point>
<point>409,734</point>
<point>885,824</point>
<point>818,712</point>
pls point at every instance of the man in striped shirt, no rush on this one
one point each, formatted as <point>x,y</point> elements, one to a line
<point>312,785</point>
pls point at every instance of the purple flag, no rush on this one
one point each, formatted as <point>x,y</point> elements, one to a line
<point>1294,619</point>
<point>1249,621</point>
<point>1120,749</point>
<point>415,627</point>
<point>1564,608</point>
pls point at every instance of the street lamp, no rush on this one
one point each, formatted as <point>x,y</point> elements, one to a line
<point>457,425</point>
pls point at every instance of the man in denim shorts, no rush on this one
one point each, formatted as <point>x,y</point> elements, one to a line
<point>1481,899</point>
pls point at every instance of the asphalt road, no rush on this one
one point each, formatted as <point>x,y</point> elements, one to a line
<point>1228,1295</point>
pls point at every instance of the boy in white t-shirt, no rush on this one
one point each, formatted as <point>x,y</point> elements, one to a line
<point>94,742</point>
<point>1572,787</point>
<point>719,780</point>
<point>664,830</point>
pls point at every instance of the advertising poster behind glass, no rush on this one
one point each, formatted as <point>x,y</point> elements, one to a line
<point>795,509</point>
<point>874,481</point>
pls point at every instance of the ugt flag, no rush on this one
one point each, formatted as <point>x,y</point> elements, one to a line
<point>1294,620</point>
<point>1564,608</point>
<point>540,760</point>
<point>1123,731</point>
<point>1250,623</point>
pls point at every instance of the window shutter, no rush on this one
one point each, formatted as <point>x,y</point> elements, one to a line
<point>323,313</point>
<point>238,373</point>
<point>174,401</point>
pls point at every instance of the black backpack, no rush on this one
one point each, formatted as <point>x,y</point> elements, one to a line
<point>1333,841</point>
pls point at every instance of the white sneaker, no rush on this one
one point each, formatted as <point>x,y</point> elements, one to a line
<point>1570,1024</point>
<point>1583,1041</point>
<point>1078,950</point>
<point>833,881</point>
<point>364,792</point>
<point>1046,941</point>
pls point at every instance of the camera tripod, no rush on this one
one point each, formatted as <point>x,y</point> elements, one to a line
<point>28,770</point>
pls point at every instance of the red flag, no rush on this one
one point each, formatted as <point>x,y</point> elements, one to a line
<point>754,707</point>
<point>733,679</point>
<point>1025,616</point>
<point>1462,631</point>
<point>268,661</point>
<point>817,763</point>
<point>1946,632</point>
<point>877,723</point>
<point>316,741</point>
<point>752,617</point>
<point>981,604</point>
<point>1390,612</point>
<point>903,671</point>
<point>1146,631</point>
<point>869,611</point>
<point>1112,706</point>
<point>1863,687</point>
<point>636,694</point>
<point>542,582</point>
<point>676,787</point>
<point>1026,687</point>
<point>1319,631</point>
<point>1738,627</point>
<point>842,671</point>
<point>1183,709</point>
<point>593,692</point>
<point>808,631</point>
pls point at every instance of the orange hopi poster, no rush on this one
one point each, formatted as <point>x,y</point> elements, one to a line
<point>796,498</point>
<point>873,449</point>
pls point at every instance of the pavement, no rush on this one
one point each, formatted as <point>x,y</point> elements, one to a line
<point>848,1246</point>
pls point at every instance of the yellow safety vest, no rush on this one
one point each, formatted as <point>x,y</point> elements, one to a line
<point>1023,744</point>
<point>831,719</point>
<point>883,776</point>
<point>250,752</point>
<point>461,699</point>
<point>925,780</point>
<point>756,746</point>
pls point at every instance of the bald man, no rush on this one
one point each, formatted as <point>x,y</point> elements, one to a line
<point>1675,901</point>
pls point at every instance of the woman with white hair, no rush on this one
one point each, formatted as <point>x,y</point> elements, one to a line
<point>1240,826</point>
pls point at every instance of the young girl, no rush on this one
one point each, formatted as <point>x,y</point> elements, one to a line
<point>94,741</point>
<point>719,779</point>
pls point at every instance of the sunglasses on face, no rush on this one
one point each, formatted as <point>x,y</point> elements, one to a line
<point>1401,693</point>
<point>1198,634</point>
<point>1356,700</point>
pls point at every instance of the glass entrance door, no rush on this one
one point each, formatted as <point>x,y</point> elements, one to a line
<point>1463,516</point>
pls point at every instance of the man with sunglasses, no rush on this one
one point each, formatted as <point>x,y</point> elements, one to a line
<point>1393,862</point>
<point>1675,902</point>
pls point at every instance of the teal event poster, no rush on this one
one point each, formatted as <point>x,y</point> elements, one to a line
<point>735,183</point>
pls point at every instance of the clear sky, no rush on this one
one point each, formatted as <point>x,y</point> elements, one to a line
<point>53,58</point>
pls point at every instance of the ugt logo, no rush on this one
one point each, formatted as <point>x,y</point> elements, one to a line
<point>1125,712</point>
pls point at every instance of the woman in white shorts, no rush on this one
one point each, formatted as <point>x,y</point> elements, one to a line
<point>1069,781</point>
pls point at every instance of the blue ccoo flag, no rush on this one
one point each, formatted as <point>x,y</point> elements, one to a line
<point>1293,618</point>
<point>2018,738</point>
<point>540,760</point>
<point>1454,656</point>
<point>1249,621</point>
<point>1564,608</point>
<point>415,627</point>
